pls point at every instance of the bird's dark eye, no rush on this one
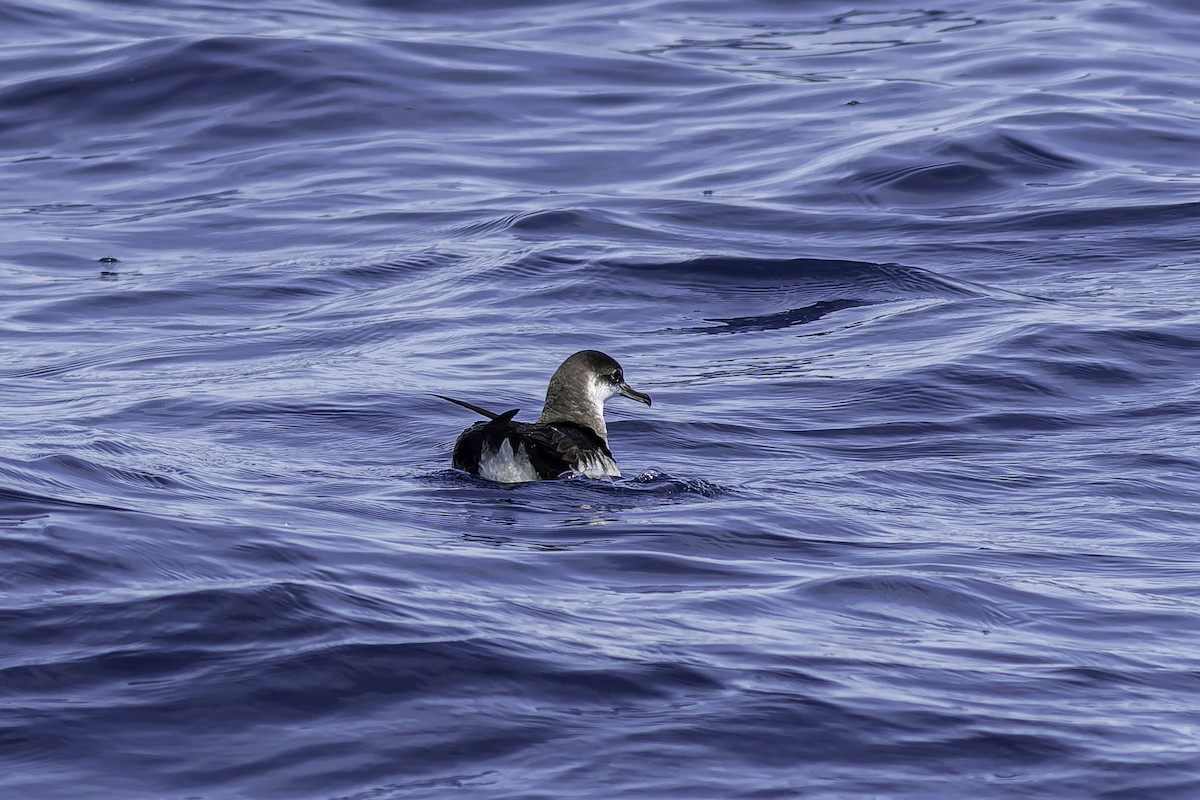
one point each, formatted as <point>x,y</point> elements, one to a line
<point>616,376</point>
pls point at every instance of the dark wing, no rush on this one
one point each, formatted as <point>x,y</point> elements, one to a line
<point>552,448</point>
<point>556,447</point>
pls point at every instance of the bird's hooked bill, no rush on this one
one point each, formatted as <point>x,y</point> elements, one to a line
<point>633,394</point>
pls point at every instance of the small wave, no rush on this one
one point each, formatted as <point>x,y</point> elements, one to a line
<point>781,319</point>
<point>859,280</point>
<point>660,483</point>
<point>741,295</point>
<point>887,596</point>
<point>955,171</point>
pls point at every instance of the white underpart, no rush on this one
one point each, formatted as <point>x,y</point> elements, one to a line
<point>505,466</point>
<point>596,464</point>
<point>600,390</point>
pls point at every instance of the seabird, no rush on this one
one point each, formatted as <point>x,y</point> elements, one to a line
<point>569,436</point>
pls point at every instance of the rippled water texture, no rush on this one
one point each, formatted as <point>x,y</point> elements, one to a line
<point>914,512</point>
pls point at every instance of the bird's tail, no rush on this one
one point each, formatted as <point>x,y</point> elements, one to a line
<point>492,415</point>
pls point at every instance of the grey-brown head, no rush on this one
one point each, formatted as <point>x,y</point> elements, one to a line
<point>580,386</point>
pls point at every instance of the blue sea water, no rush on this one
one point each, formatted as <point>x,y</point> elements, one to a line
<point>914,514</point>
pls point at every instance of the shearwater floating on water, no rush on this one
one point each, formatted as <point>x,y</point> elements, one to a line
<point>569,436</point>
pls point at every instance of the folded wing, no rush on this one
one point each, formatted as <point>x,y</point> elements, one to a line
<point>551,449</point>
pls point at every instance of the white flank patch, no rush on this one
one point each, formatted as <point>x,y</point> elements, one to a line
<point>505,466</point>
<point>597,465</point>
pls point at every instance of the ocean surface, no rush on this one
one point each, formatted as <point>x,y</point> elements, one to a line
<point>915,513</point>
